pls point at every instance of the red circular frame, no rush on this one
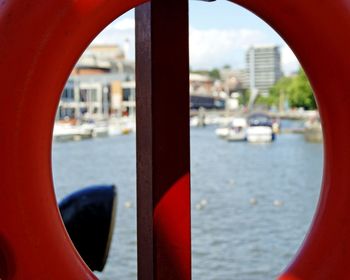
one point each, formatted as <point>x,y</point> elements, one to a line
<point>39,44</point>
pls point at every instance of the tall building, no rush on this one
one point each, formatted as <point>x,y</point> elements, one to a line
<point>263,67</point>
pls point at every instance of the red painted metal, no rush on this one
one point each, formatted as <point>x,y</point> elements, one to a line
<point>317,31</point>
<point>164,237</point>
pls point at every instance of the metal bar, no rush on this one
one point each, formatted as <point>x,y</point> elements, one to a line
<point>163,150</point>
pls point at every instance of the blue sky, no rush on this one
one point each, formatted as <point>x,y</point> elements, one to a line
<point>219,30</point>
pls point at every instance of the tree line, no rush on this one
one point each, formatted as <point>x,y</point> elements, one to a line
<point>296,90</point>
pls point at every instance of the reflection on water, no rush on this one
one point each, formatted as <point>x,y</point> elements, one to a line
<point>251,204</point>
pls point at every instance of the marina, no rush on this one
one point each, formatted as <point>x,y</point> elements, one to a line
<point>73,131</point>
<point>251,204</point>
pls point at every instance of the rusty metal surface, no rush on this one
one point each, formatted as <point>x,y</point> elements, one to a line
<point>163,164</point>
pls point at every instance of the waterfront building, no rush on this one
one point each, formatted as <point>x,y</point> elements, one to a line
<point>201,84</point>
<point>96,97</point>
<point>235,80</point>
<point>101,85</point>
<point>101,59</point>
<point>263,68</point>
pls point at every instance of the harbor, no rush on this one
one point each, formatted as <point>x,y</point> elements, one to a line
<point>227,122</point>
<point>253,191</point>
<point>233,126</point>
<point>250,203</point>
<point>181,144</point>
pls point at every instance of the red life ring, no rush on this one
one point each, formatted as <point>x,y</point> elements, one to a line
<point>39,44</point>
<point>317,31</point>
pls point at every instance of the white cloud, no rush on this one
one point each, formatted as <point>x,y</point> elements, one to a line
<point>217,47</point>
<point>120,32</point>
<point>123,24</point>
<point>208,47</point>
<point>289,61</point>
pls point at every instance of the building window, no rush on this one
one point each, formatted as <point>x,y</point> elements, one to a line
<point>83,95</point>
<point>126,94</point>
<point>68,95</point>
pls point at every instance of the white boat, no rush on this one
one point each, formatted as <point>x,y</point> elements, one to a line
<point>100,129</point>
<point>69,132</point>
<point>222,132</point>
<point>235,131</point>
<point>194,121</point>
<point>119,126</point>
<point>259,134</point>
<point>238,130</point>
<point>260,129</point>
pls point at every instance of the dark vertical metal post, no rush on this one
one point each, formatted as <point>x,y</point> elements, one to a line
<point>163,152</point>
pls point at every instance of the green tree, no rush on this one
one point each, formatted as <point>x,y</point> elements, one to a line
<point>280,91</point>
<point>301,93</point>
<point>276,93</point>
<point>297,90</point>
<point>215,74</point>
<point>244,97</point>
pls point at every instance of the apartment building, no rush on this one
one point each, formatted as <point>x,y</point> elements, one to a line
<point>263,67</point>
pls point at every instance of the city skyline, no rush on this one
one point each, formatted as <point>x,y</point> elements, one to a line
<point>220,34</point>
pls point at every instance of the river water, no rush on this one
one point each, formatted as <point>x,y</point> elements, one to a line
<point>251,204</point>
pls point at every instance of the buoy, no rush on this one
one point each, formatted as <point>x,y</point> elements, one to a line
<point>128,204</point>
<point>253,201</point>
<point>201,204</point>
<point>278,203</point>
<point>204,202</point>
<point>231,182</point>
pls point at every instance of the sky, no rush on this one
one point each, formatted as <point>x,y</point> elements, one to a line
<point>220,33</point>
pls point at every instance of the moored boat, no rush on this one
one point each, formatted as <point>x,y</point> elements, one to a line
<point>69,132</point>
<point>234,131</point>
<point>238,130</point>
<point>260,129</point>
